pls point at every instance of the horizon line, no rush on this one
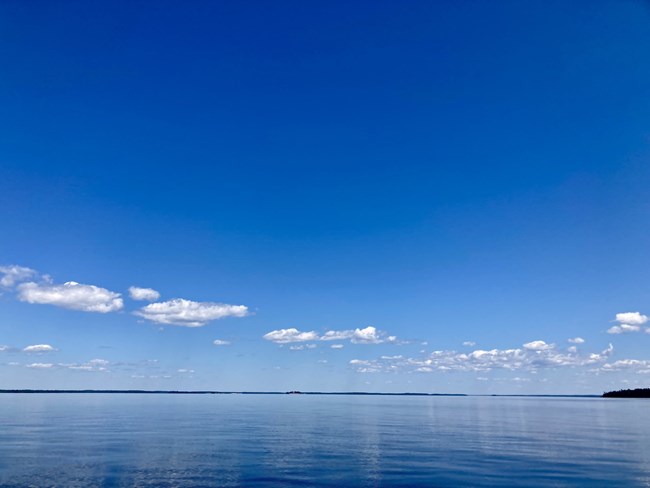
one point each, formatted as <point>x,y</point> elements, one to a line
<point>293,392</point>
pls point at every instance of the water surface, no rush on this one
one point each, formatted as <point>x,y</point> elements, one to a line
<point>107,440</point>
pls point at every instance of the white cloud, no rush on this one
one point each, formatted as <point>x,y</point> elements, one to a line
<point>628,322</point>
<point>219,342</point>
<point>337,346</point>
<point>623,329</point>
<point>145,294</point>
<point>40,365</point>
<point>189,371</point>
<point>360,361</point>
<point>367,335</point>
<point>285,336</point>
<point>71,295</point>
<point>632,318</point>
<point>14,274</point>
<point>626,363</point>
<point>538,346</point>
<point>469,343</point>
<point>39,348</point>
<point>188,313</point>
<point>577,340</point>
<point>4,348</point>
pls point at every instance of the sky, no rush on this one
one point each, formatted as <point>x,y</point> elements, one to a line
<point>382,196</point>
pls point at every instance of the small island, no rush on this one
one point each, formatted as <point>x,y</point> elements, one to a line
<point>636,393</point>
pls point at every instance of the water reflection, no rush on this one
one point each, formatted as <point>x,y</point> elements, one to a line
<point>132,440</point>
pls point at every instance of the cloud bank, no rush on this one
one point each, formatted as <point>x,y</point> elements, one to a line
<point>536,356</point>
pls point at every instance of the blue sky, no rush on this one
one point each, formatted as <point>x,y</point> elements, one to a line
<point>447,192</point>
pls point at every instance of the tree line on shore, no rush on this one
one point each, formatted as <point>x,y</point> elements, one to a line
<point>636,393</point>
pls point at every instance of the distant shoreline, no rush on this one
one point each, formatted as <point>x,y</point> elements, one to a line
<point>636,393</point>
<point>211,392</point>
<point>324,393</point>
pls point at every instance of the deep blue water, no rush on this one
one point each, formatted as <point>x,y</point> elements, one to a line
<point>109,440</point>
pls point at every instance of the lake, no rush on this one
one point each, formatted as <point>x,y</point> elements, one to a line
<point>75,440</point>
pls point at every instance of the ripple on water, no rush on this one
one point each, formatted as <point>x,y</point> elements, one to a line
<point>241,440</point>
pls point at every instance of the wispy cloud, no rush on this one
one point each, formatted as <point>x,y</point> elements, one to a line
<point>14,274</point>
<point>188,313</point>
<point>302,347</point>
<point>540,355</point>
<point>40,365</point>
<point>144,294</point>
<point>576,340</point>
<point>632,365</point>
<point>98,365</point>
<point>148,367</point>
<point>219,342</point>
<point>71,295</point>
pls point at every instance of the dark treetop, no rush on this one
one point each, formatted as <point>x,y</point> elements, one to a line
<point>637,393</point>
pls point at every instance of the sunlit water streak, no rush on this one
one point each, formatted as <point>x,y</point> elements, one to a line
<point>107,440</point>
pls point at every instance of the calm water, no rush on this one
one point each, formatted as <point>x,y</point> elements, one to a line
<point>239,440</point>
